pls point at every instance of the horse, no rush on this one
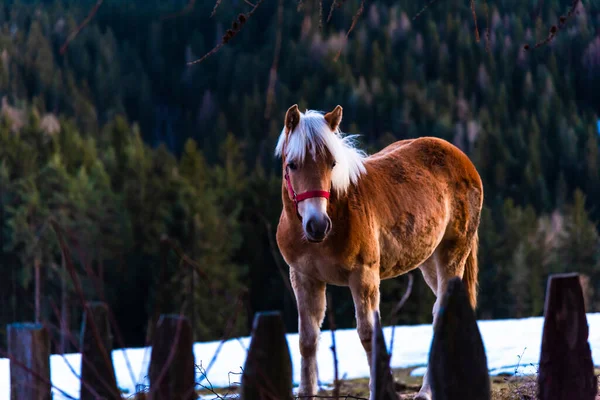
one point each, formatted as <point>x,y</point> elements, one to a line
<point>349,219</point>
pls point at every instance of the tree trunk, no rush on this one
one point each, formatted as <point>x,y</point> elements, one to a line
<point>100,273</point>
<point>193,275</point>
<point>38,278</point>
<point>63,309</point>
<point>101,277</point>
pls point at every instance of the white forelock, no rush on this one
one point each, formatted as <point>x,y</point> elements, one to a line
<point>313,134</point>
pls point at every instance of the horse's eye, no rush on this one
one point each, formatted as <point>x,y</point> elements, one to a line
<point>333,164</point>
<point>292,165</point>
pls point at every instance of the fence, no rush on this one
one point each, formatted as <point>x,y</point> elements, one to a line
<point>457,360</point>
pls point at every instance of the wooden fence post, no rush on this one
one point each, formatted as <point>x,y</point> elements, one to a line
<point>382,381</point>
<point>29,353</point>
<point>97,370</point>
<point>566,367</point>
<point>457,362</point>
<point>172,368</point>
<point>268,368</point>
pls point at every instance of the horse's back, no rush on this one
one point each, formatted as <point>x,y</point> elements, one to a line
<point>429,154</point>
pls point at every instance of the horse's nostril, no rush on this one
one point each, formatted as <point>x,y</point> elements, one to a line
<point>318,228</point>
<point>310,226</point>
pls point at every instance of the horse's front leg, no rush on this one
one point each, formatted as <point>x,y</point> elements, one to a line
<point>364,285</point>
<point>310,300</point>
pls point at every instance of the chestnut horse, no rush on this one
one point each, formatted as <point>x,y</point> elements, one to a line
<point>352,220</point>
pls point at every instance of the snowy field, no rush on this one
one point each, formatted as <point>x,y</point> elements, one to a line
<point>505,342</point>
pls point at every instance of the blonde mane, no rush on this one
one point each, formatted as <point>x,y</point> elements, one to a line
<point>313,135</point>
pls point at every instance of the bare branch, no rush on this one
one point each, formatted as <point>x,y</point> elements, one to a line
<point>361,9</point>
<point>280,267</point>
<point>475,20</point>
<point>236,27</point>
<point>554,29</point>
<point>74,34</point>
<point>227,335</point>
<point>273,72</point>
<point>334,5</point>
<point>321,15</point>
<point>214,11</point>
<point>66,253</point>
<point>487,30</point>
<point>18,363</point>
<point>424,9</point>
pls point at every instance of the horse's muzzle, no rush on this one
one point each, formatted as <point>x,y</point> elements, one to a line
<point>317,228</point>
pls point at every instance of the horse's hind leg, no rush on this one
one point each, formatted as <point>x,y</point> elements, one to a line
<point>447,262</point>
<point>310,298</point>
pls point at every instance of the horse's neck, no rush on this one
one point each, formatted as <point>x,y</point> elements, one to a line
<point>344,204</point>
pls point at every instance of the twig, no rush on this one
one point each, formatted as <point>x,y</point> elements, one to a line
<point>228,331</point>
<point>275,65</point>
<point>74,34</point>
<point>34,373</point>
<point>237,26</point>
<point>475,20</point>
<point>554,29</point>
<point>397,309</point>
<point>354,21</point>
<point>321,15</point>
<point>165,240</point>
<point>334,5</point>
<point>210,388</point>
<point>487,30</point>
<point>170,357</point>
<point>87,385</point>
<point>79,289</point>
<point>214,11</point>
<point>422,10</point>
<point>330,314</point>
<point>280,268</point>
<point>69,263</point>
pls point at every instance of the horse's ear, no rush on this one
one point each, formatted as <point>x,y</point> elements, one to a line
<point>334,118</point>
<point>292,118</point>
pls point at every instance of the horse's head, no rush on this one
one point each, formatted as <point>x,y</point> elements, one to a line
<point>316,159</point>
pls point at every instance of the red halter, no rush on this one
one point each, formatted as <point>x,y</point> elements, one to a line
<point>297,198</point>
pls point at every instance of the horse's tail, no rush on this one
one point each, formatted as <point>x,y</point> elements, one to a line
<point>471,271</point>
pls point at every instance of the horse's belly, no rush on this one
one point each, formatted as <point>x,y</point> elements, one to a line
<point>403,253</point>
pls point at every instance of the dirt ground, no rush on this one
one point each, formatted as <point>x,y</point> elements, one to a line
<point>503,387</point>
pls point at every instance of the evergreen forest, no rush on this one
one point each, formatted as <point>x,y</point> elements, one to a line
<point>141,158</point>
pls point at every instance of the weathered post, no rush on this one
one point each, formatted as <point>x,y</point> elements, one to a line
<point>97,370</point>
<point>382,381</point>
<point>29,354</point>
<point>566,367</point>
<point>268,368</point>
<point>457,362</point>
<point>172,360</point>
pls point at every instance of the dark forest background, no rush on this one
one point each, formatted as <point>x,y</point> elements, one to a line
<point>121,142</point>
